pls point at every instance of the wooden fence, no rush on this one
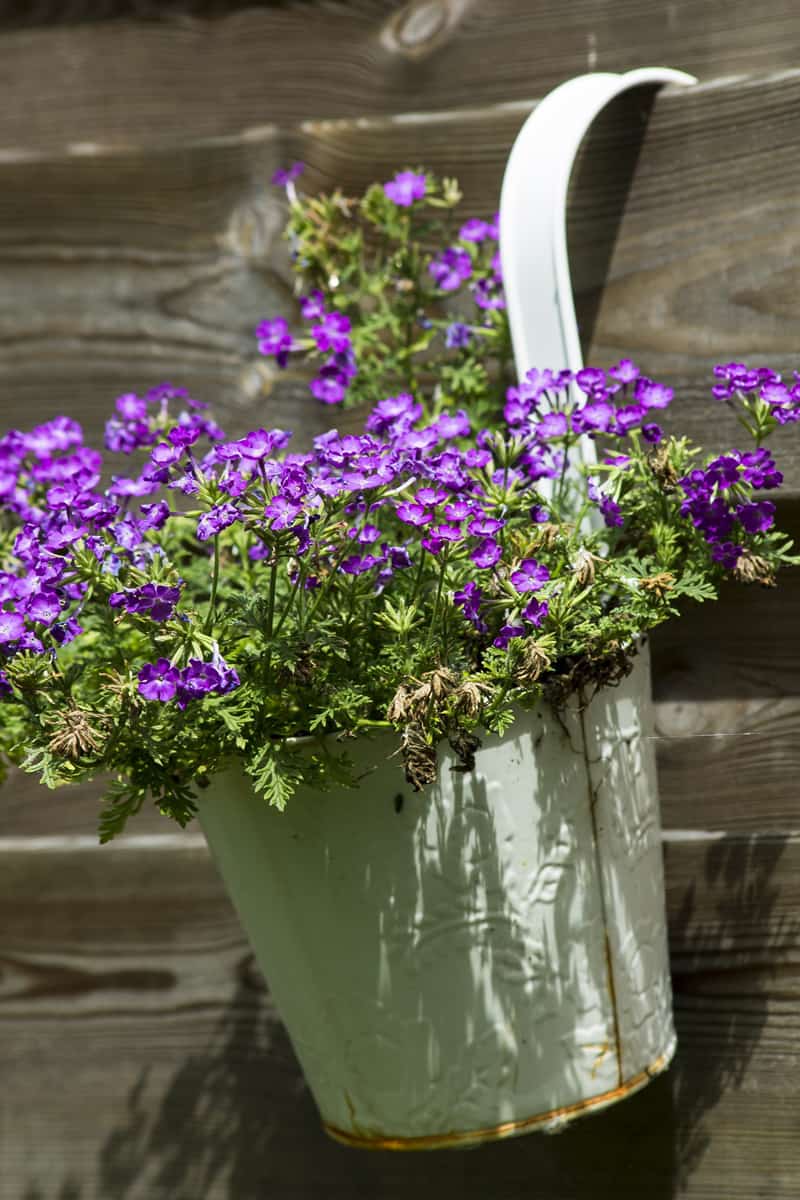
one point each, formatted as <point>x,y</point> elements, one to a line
<point>139,241</point>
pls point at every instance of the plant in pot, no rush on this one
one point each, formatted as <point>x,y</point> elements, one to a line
<point>391,670</point>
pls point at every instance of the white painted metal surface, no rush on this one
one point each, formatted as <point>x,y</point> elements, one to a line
<point>533,215</point>
<point>490,956</point>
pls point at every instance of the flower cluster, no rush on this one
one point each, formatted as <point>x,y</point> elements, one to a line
<point>719,501</point>
<point>194,598</point>
<point>372,317</point>
<point>162,681</point>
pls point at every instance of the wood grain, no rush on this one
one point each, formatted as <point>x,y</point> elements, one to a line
<point>125,79</point>
<point>134,957</point>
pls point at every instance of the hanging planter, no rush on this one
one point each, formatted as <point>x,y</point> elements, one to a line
<point>477,960</point>
<point>491,957</point>
<point>454,887</point>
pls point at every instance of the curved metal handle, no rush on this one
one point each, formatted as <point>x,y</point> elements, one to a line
<point>533,212</point>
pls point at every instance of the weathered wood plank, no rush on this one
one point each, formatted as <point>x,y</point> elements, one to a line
<point>134,957</point>
<point>127,79</point>
<point>145,264</point>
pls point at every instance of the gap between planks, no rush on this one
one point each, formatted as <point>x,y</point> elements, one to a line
<point>70,843</point>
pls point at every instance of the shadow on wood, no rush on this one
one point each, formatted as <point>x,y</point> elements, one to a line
<point>605,167</point>
<point>236,1121</point>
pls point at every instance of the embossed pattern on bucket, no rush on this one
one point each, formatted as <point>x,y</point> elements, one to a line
<point>473,961</point>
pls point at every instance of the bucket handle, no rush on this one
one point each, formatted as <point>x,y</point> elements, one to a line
<point>533,215</point>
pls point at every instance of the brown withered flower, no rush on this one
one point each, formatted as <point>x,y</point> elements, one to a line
<point>546,535</point>
<point>584,566</point>
<point>752,568</point>
<point>419,758</point>
<point>470,697</point>
<point>465,746</point>
<point>660,584</point>
<point>400,705</point>
<point>74,734</point>
<point>435,686</point>
<point>661,465</point>
<point>533,660</point>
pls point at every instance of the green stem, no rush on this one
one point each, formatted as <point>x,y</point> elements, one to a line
<point>212,602</point>
<point>301,578</point>
<point>418,580</point>
<point>437,601</point>
<point>273,584</point>
<point>325,587</point>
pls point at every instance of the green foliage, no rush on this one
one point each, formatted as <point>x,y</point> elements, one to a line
<point>309,641</point>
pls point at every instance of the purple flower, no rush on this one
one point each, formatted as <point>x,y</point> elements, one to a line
<point>395,414</point>
<point>552,425</point>
<point>330,385</point>
<point>628,418</point>
<point>159,680</point>
<point>530,575</point>
<point>153,600</point>
<point>535,611</point>
<point>312,307</point>
<point>405,188</point>
<point>412,513</point>
<point>474,230</point>
<point>131,407</point>
<point>591,380</point>
<point>757,517</point>
<point>652,433</point>
<point>357,564</point>
<point>366,535</point>
<point>453,425</point>
<point>487,294</point>
<point>197,680</point>
<point>261,443</point>
<point>486,554</point>
<point>485,526</point>
<point>12,627</point>
<point>274,338</point>
<point>154,516</point>
<point>332,333</point>
<point>469,601</point>
<point>457,336</point>
<point>185,435</point>
<point>282,512</point>
<point>430,496</point>
<point>450,269</point>
<point>507,632</point>
<point>737,377</point>
<point>652,395</point>
<point>596,417</point>
<point>165,454</point>
<point>459,510</point>
<point>66,632</point>
<point>611,511</point>
<point>625,371</point>
<point>726,554</point>
<point>44,607</point>
<point>448,532</point>
<point>216,519</point>
<point>286,175</point>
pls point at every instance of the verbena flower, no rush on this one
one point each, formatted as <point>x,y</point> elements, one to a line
<point>405,188</point>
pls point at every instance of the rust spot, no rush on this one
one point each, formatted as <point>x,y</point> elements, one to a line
<point>437,1141</point>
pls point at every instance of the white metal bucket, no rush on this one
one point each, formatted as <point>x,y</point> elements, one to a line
<point>487,957</point>
<point>477,960</point>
